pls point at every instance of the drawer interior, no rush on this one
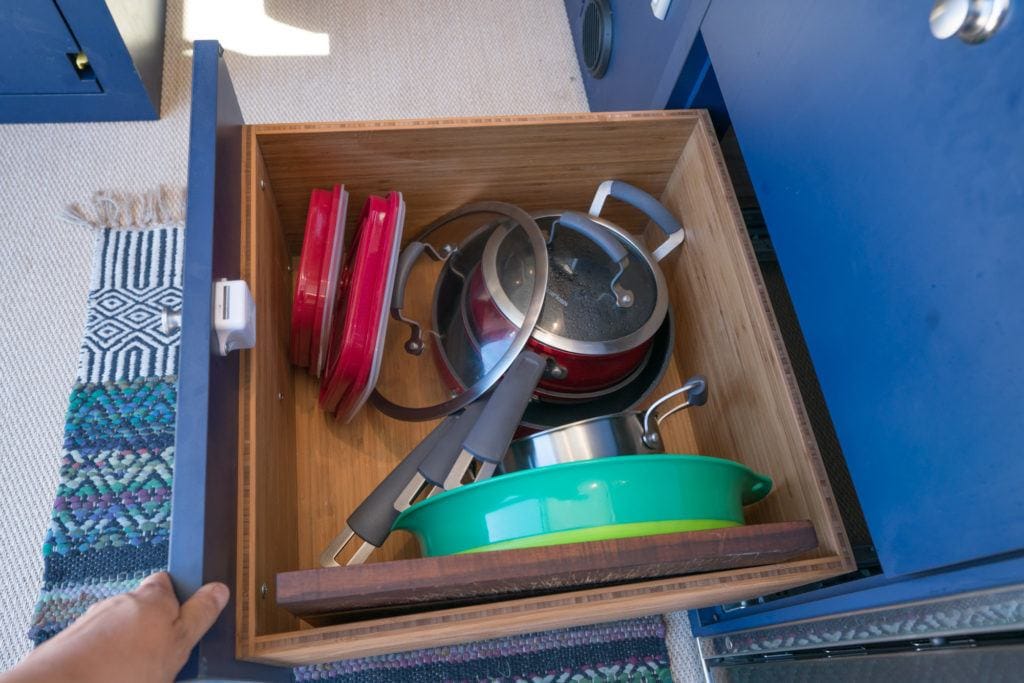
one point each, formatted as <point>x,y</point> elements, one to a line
<point>301,472</point>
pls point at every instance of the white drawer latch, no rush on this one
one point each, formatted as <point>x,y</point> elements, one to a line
<point>234,317</point>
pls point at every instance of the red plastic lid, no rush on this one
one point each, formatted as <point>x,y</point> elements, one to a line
<point>360,320</point>
<point>330,269</point>
<point>307,282</point>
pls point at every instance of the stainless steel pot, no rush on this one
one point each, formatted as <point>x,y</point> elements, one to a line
<point>627,433</point>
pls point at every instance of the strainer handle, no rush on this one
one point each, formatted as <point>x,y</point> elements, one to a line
<point>654,209</point>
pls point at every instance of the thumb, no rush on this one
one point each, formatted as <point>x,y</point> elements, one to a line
<point>201,610</point>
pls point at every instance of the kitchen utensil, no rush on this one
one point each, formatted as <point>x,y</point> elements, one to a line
<point>586,501</point>
<point>415,383</point>
<point>629,433</point>
<point>330,271</point>
<point>307,281</point>
<point>360,318</point>
<point>606,295</point>
<point>428,464</point>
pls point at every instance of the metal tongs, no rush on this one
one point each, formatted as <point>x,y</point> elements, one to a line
<point>480,433</point>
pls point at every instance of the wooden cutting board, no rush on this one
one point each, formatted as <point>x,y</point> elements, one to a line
<point>336,594</point>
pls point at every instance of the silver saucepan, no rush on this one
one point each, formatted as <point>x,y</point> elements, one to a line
<point>627,433</point>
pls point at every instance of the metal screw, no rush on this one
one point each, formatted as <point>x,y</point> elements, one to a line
<point>280,396</point>
<point>263,184</point>
<point>264,590</point>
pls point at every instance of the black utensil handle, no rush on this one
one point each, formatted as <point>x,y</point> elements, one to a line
<point>497,424</point>
<point>438,463</point>
<point>373,519</point>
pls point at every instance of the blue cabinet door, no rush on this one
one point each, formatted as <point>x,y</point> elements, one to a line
<point>890,169</point>
<point>37,51</point>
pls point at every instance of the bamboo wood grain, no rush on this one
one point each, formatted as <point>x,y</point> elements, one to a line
<point>727,330</point>
<point>301,472</point>
<point>530,615</point>
<point>402,585</point>
<point>268,511</point>
<point>536,162</point>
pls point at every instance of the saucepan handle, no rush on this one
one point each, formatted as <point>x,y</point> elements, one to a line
<point>695,391</point>
<point>654,209</point>
<point>609,244</point>
<point>408,258</point>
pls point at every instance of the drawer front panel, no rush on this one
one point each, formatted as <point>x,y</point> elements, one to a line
<point>205,471</point>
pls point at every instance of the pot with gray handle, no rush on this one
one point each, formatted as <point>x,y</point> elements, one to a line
<point>605,300</point>
<point>627,433</point>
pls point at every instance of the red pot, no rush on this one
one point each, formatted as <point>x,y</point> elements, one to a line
<point>605,300</point>
<point>571,373</point>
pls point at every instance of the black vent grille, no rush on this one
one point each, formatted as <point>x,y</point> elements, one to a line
<point>596,36</point>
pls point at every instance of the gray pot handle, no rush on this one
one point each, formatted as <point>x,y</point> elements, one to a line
<point>654,209</point>
<point>492,433</point>
<point>696,392</point>
<point>609,244</point>
<point>409,256</point>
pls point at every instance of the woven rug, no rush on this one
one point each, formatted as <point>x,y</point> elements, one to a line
<point>111,517</point>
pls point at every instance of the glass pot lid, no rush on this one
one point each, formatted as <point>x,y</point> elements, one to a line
<point>600,298</point>
<point>419,380</point>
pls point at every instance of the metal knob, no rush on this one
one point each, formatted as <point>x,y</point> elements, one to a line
<point>973,21</point>
<point>170,321</point>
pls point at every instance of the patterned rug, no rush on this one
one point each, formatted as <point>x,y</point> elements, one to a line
<point>111,518</point>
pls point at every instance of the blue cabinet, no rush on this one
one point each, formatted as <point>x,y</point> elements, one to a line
<point>80,60</point>
<point>887,164</point>
<point>647,54</point>
<point>34,34</point>
<point>888,167</point>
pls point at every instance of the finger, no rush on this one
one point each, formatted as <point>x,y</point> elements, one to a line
<point>201,610</point>
<point>156,589</point>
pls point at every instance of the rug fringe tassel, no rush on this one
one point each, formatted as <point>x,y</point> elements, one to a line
<point>115,209</point>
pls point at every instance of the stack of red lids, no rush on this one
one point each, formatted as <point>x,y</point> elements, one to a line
<point>340,309</point>
<point>316,286</point>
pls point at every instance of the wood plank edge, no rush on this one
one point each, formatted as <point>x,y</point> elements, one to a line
<point>299,591</point>
<point>704,132</point>
<point>528,615</point>
<point>244,589</point>
<point>277,129</point>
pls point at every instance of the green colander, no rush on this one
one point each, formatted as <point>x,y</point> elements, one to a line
<point>590,500</point>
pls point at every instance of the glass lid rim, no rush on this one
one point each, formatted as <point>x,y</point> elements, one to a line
<point>525,328</point>
<point>562,343</point>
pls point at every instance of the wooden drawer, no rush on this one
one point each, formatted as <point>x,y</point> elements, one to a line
<point>300,473</point>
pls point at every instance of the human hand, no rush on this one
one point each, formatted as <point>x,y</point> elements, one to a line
<point>144,635</point>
